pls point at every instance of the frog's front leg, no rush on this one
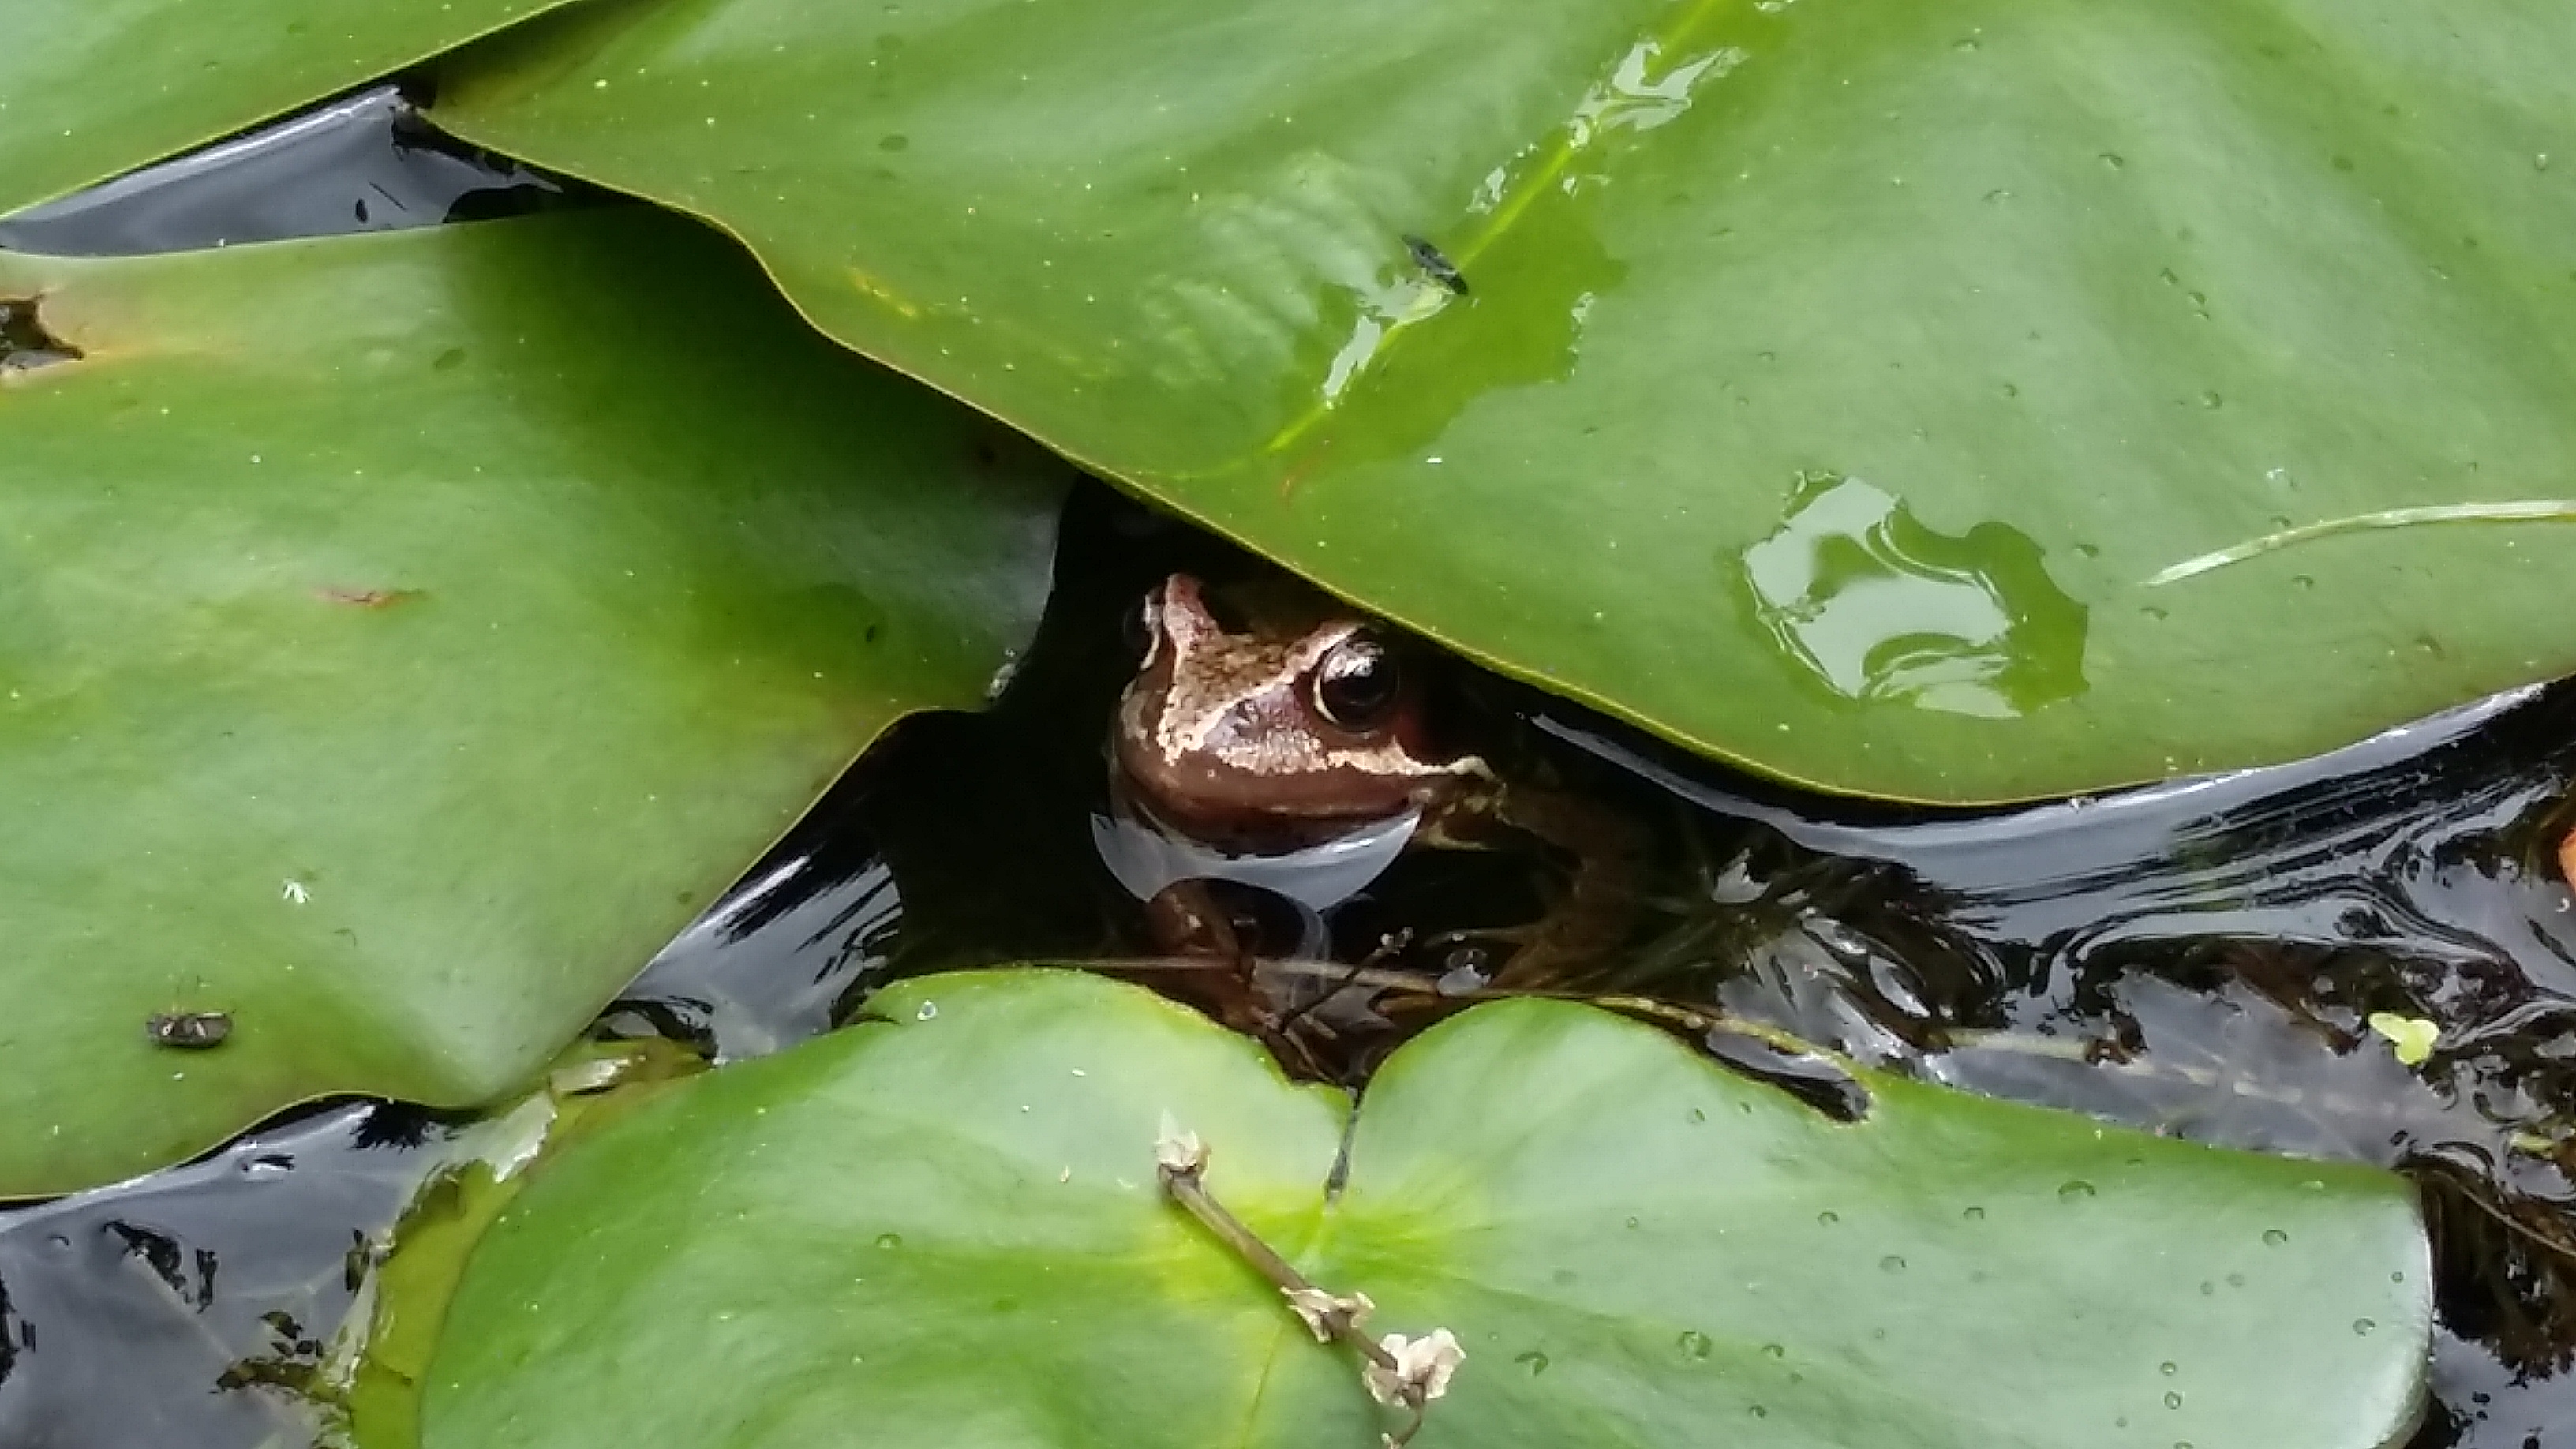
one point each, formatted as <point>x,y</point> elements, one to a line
<point>1603,852</point>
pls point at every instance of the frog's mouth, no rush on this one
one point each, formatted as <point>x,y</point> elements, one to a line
<point>1146,854</point>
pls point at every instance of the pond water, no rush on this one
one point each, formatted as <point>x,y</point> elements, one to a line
<point>2203,958</point>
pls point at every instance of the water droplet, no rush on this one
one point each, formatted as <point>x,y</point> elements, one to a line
<point>2397,1277</point>
<point>889,1240</point>
<point>1965,42</point>
<point>1828,1218</point>
<point>1884,610</point>
<point>2208,1289</point>
<point>2363,1325</point>
<point>1774,1350</point>
<point>2152,612</point>
<point>1757,1411</point>
<point>2011,391</point>
<point>1695,1343</point>
<point>2212,401</point>
<point>1973,1214</point>
<point>2086,550</point>
<point>1632,1222</point>
<point>2235,1280</point>
<point>2540,162</point>
<point>2074,1188</point>
<point>2114,160</point>
<point>1533,1360</point>
<point>2168,1368</point>
<point>2302,581</point>
<point>2166,276</point>
<point>1697,1116</point>
<point>1891,1264</point>
<point>2274,1237</point>
<point>2173,1400</point>
<point>928,1010</point>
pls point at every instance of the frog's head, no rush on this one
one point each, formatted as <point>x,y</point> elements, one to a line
<point>1274,731</point>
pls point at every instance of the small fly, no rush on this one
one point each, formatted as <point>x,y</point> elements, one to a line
<point>1436,265</point>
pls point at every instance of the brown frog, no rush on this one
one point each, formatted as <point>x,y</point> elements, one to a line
<point>1296,754</point>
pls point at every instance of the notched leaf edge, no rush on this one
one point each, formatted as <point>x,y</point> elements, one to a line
<point>25,342</point>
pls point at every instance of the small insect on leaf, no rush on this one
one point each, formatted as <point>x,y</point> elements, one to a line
<point>189,1031</point>
<point>1437,265</point>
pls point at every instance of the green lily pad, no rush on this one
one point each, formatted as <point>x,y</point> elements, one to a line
<point>89,88</point>
<point>1956,402</point>
<point>402,636</point>
<point>944,1227</point>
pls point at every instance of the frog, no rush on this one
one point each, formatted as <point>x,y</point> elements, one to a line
<point>1300,753</point>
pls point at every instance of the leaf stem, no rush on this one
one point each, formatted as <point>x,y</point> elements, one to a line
<point>1182,1165</point>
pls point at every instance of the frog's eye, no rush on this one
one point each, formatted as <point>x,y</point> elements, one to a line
<point>1357,683</point>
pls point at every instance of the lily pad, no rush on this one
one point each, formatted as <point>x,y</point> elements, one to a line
<point>1955,402</point>
<point>944,1226</point>
<point>89,88</point>
<point>402,636</point>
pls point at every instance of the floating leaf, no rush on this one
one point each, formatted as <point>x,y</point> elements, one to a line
<point>944,1225</point>
<point>1955,402</point>
<point>401,637</point>
<point>2413,1036</point>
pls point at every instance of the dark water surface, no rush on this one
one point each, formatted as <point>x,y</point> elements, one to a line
<point>2199,958</point>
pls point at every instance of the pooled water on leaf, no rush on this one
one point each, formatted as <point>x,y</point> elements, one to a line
<point>1858,593</point>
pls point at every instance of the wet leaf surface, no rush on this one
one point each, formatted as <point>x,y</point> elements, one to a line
<point>184,72</point>
<point>1952,403</point>
<point>1633,1244</point>
<point>402,637</point>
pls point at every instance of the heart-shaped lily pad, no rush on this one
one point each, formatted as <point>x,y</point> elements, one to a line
<point>944,1227</point>
<point>402,636</point>
<point>1958,401</point>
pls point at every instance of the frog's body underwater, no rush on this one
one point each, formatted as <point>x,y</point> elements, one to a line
<point>1295,755</point>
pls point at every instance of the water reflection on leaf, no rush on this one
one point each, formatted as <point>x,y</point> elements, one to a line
<point>1863,596</point>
